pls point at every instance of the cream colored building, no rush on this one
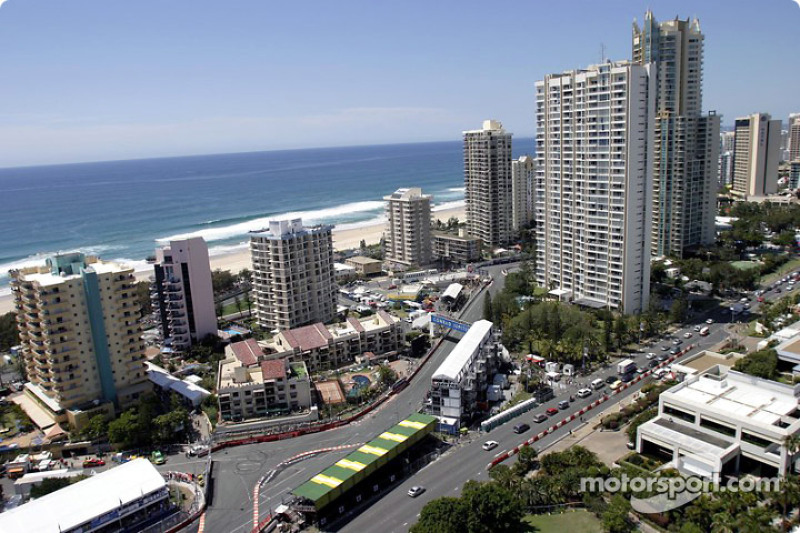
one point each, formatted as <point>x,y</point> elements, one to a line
<point>365,266</point>
<point>248,385</point>
<point>408,228</point>
<point>78,324</point>
<point>487,181</point>
<point>293,275</point>
<point>756,155</point>
<point>522,172</point>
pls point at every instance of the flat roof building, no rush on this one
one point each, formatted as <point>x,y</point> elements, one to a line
<point>456,249</point>
<point>366,266</point>
<point>78,323</point>
<point>129,495</point>
<point>723,422</point>
<point>408,228</point>
<point>522,174</point>
<point>756,155</point>
<point>182,293</point>
<point>293,275</point>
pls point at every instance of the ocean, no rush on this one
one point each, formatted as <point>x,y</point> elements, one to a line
<point>122,210</point>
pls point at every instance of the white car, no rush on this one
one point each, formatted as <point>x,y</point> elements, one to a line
<point>710,321</point>
<point>490,445</point>
<point>583,393</point>
<point>687,335</point>
<point>651,355</point>
<point>415,491</point>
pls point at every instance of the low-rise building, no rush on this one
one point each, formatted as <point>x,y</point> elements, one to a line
<point>459,385</point>
<point>365,266</point>
<point>125,498</point>
<point>722,422</point>
<point>249,386</point>
<point>187,390</point>
<point>455,249</point>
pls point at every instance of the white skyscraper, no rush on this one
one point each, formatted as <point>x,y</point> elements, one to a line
<point>522,171</point>
<point>686,143</point>
<point>408,227</point>
<point>487,180</point>
<point>592,192</point>
<point>756,155</point>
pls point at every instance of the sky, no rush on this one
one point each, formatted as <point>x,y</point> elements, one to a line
<point>90,80</point>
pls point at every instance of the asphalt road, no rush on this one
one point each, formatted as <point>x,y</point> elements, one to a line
<point>238,469</point>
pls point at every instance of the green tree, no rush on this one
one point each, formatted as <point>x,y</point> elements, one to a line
<point>125,429</point>
<point>9,334</point>
<point>615,518</point>
<point>386,375</point>
<point>492,508</point>
<point>762,363</point>
<point>677,312</point>
<point>488,312</point>
<point>97,428</point>
<point>222,281</point>
<point>526,460</point>
<point>620,331</point>
<point>442,515</point>
<point>142,289</point>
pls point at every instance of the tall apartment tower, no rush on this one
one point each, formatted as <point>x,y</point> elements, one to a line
<point>182,294</point>
<point>293,275</point>
<point>686,143</point>
<point>756,155</point>
<point>487,180</point>
<point>78,323</point>
<point>592,192</point>
<point>522,172</point>
<point>794,137</point>
<point>408,231</point>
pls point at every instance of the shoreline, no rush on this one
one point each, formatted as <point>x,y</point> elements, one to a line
<point>345,239</point>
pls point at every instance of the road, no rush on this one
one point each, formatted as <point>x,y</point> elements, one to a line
<point>238,469</point>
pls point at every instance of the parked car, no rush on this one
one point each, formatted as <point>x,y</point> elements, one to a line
<point>617,384</point>
<point>675,351</point>
<point>551,411</point>
<point>653,363</point>
<point>662,357</point>
<point>697,328</point>
<point>677,342</point>
<point>710,321</point>
<point>611,379</point>
<point>539,418</point>
<point>584,393</point>
<point>521,428</point>
<point>90,463</point>
<point>688,335</point>
<point>651,355</point>
<point>415,491</point>
<point>490,445</point>
<point>665,348</point>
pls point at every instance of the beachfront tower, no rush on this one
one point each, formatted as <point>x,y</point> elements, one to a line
<point>686,143</point>
<point>78,323</point>
<point>408,228</point>
<point>756,155</point>
<point>293,275</point>
<point>487,180</point>
<point>522,171</point>
<point>592,191</point>
<point>182,294</point>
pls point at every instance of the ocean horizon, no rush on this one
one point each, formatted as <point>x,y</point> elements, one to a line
<point>123,210</point>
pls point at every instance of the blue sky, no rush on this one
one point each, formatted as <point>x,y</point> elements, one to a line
<point>86,80</point>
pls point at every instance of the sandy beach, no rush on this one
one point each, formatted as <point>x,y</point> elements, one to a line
<point>345,239</point>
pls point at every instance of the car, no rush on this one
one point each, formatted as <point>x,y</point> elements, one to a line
<point>653,363</point>
<point>521,428</point>
<point>551,411</point>
<point>641,370</point>
<point>89,463</point>
<point>651,355</point>
<point>665,348</point>
<point>777,289</point>
<point>584,393</point>
<point>697,328</point>
<point>197,450</point>
<point>687,335</point>
<point>675,351</point>
<point>663,357</point>
<point>563,404</point>
<point>747,306</point>
<point>611,379</point>
<point>539,418</point>
<point>157,458</point>
<point>490,445</point>
<point>677,342</point>
<point>415,491</point>
<point>617,384</point>
<point>710,321</point>
<point>626,378</point>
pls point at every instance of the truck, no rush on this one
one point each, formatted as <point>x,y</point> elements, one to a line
<point>625,367</point>
<point>704,331</point>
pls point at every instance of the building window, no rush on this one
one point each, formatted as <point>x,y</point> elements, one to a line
<point>716,426</point>
<point>677,413</point>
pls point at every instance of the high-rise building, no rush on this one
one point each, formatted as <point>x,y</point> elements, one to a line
<point>78,323</point>
<point>725,169</point>
<point>592,192</point>
<point>794,137</point>
<point>487,179</point>
<point>182,293</point>
<point>756,155</point>
<point>408,232</point>
<point>686,143</point>
<point>522,171</point>
<point>726,141</point>
<point>794,174</point>
<point>293,275</point>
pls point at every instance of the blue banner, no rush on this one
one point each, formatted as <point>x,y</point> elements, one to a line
<point>450,323</point>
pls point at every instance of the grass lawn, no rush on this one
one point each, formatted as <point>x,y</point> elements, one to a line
<point>788,267</point>
<point>577,521</point>
<point>745,265</point>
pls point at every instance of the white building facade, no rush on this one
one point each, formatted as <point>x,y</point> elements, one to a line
<point>522,173</point>
<point>408,228</point>
<point>756,155</point>
<point>592,192</point>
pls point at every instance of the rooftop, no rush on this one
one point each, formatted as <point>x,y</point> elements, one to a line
<point>273,369</point>
<point>308,337</point>
<point>247,352</point>
<point>79,503</point>
<point>464,350</point>
<point>362,260</point>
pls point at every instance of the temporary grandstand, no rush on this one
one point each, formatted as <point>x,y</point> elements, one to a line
<point>340,477</point>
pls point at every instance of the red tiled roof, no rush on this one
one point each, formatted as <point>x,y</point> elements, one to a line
<point>247,352</point>
<point>308,337</point>
<point>273,369</point>
<point>389,319</point>
<point>356,324</point>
